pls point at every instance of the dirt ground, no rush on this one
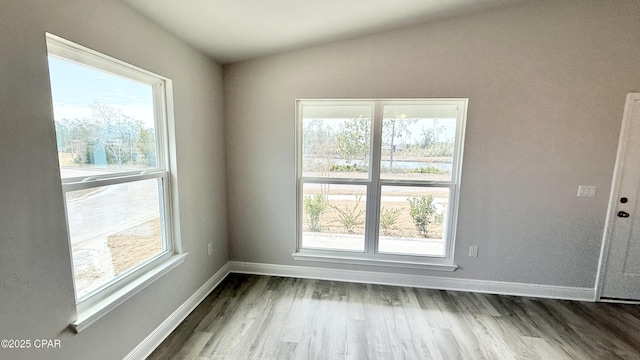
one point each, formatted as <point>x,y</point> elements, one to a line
<point>135,245</point>
<point>98,262</point>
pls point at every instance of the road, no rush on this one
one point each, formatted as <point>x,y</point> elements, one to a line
<point>111,209</point>
<point>98,212</point>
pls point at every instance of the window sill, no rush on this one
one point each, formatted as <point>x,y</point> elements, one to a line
<point>93,313</point>
<point>368,261</point>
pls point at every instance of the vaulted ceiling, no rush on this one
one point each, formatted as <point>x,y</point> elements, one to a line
<point>236,30</point>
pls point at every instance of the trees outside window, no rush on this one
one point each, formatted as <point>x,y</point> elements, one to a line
<point>386,173</point>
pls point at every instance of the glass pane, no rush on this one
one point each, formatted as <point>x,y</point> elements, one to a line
<point>336,141</point>
<point>113,229</point>
<point>104,123</point>
<point>418,142</point>
<point>413,220</point>
<point>334,216</point>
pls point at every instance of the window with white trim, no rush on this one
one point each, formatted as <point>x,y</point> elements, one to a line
<point>378,180</point>
<point>111,130</point>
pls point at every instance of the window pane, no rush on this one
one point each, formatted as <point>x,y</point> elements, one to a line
<point>336,141</point>
<point>104,123</point>
<point>113,229</point>
<point>418,142</point>
<point>334,216</point>
<point>413,220</point>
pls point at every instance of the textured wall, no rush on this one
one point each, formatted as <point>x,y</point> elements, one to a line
<point>546,83</point>
<point>36,289</point>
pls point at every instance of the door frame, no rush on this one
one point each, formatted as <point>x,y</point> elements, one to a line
<point>613,196</point>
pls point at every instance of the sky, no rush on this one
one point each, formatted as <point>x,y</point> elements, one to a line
<point>74,87</point>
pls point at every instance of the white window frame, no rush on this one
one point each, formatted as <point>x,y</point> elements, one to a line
<point>97,303</point>
<point>370,255</point>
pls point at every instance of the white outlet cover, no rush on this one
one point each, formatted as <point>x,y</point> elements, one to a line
<point>473,251</point>
<point>587,190</point>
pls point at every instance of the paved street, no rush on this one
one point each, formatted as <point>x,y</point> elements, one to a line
<point>106,210</point>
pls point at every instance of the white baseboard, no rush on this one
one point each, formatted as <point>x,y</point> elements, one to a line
<point>146,347</point>
<point>421,281</point>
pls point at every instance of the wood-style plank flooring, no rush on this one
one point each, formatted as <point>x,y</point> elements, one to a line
<point>264,317</point>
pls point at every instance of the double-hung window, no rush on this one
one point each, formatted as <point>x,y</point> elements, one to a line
<point>378,180</point>
<point>111,132</point>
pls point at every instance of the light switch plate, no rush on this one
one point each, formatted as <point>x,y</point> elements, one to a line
<point>588,191</point>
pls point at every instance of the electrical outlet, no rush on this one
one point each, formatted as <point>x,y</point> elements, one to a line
<point>473,251</point>
<point>209,248</point>
<point>588,191</point>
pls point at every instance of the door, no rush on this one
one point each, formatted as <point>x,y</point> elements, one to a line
<point>620,261</point>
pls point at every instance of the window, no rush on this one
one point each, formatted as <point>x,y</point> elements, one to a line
<point>378,180</point>
<point>111,132</point>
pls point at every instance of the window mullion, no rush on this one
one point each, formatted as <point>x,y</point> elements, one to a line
<point>99,182</point>
<point>416,183</point>
<point>166,223</point>
<point>330,180</point>
<point>160,109</point>
<point>373,192</point>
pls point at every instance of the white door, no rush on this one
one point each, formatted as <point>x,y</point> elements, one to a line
<point>620,264</point>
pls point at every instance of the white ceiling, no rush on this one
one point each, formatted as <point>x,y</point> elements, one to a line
<point>236,30</point>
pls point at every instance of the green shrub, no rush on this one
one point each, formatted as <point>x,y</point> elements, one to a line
<point>347,168</point>
<point>314,207</point>
<point>428,170</point>
<point>350,218</point>
<point>388,219</point>
<point>423,213</point>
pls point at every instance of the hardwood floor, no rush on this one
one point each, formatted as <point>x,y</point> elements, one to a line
<point>264,317</point>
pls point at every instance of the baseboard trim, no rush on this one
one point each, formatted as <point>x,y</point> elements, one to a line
<point>151,342</point>
<point>421,281</point>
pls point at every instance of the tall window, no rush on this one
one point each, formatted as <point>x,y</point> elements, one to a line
<point>110,123</point>
<point>378,180</point>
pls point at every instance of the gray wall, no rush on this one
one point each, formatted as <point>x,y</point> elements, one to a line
<point>36,289</point>
<point>546,83</point>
